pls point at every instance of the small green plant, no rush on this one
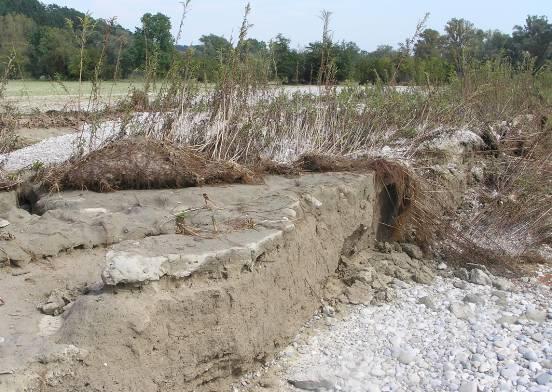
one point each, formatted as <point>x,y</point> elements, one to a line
<point>37,166</point>
<point>180,220</point>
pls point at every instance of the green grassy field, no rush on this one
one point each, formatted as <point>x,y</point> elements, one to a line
<point>34,88</point>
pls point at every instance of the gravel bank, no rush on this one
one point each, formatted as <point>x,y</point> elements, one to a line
<point>448,336</point>
<point>55,149</point>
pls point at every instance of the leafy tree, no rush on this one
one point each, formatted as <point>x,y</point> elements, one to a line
<point>312,60</point>
<point>255,47</point>
<point>284,60</point>
<point>460,38</point>
<point>50,15</point>
<point>496,44</point>
<point>153,43</point>
<point>16,31</point>
<point>535,38</point>
<point>30,8</point>
<point>376,66</point>
<point>55,50</point>
<point>56,16</point>
<point>429,45</point>
<point>213,45</point>
<point>436,70</point>
<point>209,54</point>
<point>346,55</point>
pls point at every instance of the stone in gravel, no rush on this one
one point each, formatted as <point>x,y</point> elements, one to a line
<point>413,251</point>
<point>523,380</point>
<point>436,384</point>
<point>535,315</point>
<point>407,356</point>
<point>385,295</point>
<point>462,274</point>
<point>359,294</point>
<point>528,354</point>
<point>399,284</point>
<point>289,352</point>
<point>547,364</point>
<point>506,319</point>
<point>414,379</point>
<point>510,372</point>
<point>428,302</point>
<point>500,294</point>
<point>422,277</point>
<point>544,379</point>
<point>537,337</point>
<point>478,358</point>
<point>441,266</point>
<point>312,385</point>
<point>501,355</point>
<point>460,284</point>
<point>501,343</point>
<point>503,284</point>
<point>56,302</point>
<point>450,375</point>
<point>4,223</point>
<point>502,302</point>
<point>474,299</point>
<point>461,357</point>
<point>328,311</point>
<point>484,367</point>
<point>461,311</point>
<point>504,387</point>
<point>468,387</point>
<point>479,277</point>
<point>377,372</point>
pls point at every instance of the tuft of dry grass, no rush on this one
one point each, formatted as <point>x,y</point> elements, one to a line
<point>514,218</point>
<point>141,163</point>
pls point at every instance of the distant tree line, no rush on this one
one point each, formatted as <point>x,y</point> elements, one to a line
<point>52,42</point>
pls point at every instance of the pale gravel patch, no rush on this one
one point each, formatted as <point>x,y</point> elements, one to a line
<point>56,149</point>
<point>405,346</point>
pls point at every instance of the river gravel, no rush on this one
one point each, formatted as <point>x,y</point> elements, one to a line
<point>448,336</point>
<point>56,149</point>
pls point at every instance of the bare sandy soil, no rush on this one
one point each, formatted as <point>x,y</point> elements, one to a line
<point>101,291</point>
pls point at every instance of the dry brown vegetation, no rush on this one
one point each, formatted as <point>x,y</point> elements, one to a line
<point>140,163</point>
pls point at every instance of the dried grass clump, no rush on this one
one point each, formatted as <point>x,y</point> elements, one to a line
<point>54,119</point>
<point>513,217</point>
<point>7,183</point>
<point>141,163</point>
<point>269,167</point>
<point>8,137</point>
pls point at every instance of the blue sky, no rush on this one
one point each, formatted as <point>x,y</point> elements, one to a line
<point>368,23</point>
